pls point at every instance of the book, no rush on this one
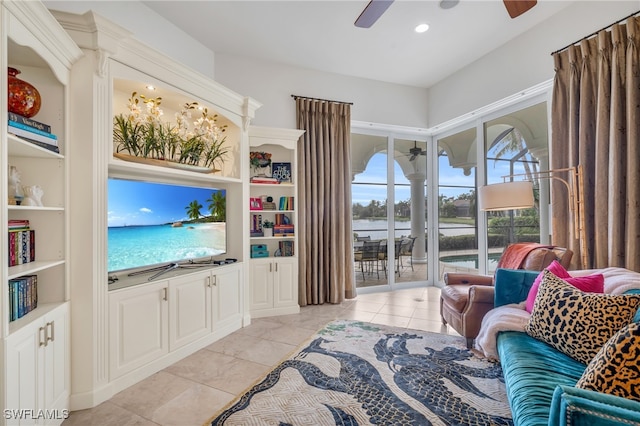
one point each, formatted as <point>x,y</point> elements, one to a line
<point>31,135</point>
<point>32,130</point>
<point>23,296</point>
<point>42,144</point>
<point>17,118</point>
<point>263,179</point>
<point>281,171</point>
<point>22,246</point>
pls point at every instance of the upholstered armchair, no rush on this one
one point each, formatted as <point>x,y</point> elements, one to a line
<point>466,298</point>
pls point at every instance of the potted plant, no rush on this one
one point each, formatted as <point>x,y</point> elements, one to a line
<point>267,227</point>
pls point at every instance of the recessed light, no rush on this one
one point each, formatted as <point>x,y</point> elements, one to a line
<point>448,4</point>
<point>150,87</point>
<point>422,28</point>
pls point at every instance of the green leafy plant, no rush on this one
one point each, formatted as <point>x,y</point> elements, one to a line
<point>142,133</point>
<point>267,224</point>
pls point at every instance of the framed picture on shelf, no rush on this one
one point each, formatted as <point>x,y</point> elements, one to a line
<point>281,171</point>
<point>260,164</point>
<point>255,203</point>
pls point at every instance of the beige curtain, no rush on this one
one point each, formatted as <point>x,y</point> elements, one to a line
<point>324,182</point>
<point>596,123</point>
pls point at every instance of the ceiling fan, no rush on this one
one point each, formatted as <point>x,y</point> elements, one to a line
<point>415,151</point>
<point>375,8</point>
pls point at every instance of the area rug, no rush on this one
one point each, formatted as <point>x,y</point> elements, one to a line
<point>355,373</point>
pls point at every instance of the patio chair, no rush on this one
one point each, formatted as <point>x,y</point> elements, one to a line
<point>406,249</point>
<point>369,256</point>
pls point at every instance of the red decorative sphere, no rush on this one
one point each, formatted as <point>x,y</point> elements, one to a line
<point>24,99</point>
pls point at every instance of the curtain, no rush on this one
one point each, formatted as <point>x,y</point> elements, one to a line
<point>596,124</point>
<point>324,179</point>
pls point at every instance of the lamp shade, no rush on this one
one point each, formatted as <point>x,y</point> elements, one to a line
<point>506,196</point>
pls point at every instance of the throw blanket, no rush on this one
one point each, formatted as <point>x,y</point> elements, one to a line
<point>515,254</point>
<point>514,317</point>
<point>511,317</point>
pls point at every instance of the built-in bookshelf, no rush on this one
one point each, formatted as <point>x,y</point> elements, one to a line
<point>35,213</point>
<point>273,272</point>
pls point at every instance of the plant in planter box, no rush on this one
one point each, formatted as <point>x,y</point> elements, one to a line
<point>141,133</point>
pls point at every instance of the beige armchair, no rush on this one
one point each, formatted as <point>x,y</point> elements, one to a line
<point>466,298</point>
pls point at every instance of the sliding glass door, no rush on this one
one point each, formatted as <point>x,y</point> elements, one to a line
<point>389,207</point>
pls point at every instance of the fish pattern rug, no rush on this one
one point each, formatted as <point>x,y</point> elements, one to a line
<point>355,373</point>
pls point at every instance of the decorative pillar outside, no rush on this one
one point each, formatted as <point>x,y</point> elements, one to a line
<point>418,216</point>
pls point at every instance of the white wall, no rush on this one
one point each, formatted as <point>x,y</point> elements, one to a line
<point>519,64</point>
<point>273,84</point>
<point>148,27</point>
<point>523,62</point>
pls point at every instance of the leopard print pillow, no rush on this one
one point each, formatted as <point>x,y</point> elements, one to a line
<point>615,369</point>
<point>578,324</point>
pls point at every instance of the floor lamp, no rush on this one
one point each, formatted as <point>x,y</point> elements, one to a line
<point>513,195</point>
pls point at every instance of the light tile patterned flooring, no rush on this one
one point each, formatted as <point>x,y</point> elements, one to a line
<point>192,390</point>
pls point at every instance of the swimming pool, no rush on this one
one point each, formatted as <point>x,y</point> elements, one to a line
<point>471,260</point>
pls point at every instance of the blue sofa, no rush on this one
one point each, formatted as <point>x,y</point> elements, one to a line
<point>540,380</point>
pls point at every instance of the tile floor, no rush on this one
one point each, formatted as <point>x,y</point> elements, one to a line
<point>192,390</point>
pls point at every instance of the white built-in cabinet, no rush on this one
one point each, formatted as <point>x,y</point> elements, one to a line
<point>125,331</point>
<point>273,280</point>
<point>35,377</point>
<point>149,321</point>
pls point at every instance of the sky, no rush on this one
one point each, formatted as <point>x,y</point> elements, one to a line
<point>143,203</point>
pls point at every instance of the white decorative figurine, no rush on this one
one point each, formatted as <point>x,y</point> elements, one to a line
<point>33,196</point>
<point>16,194</point>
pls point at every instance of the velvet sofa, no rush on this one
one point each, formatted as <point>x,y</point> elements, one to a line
<point>540,379</point>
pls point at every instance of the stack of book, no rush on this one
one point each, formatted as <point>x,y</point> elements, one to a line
<point>33,131</point>
<point>263,179</point>
<point>286,203</point>
<point>286,248</point>
<point>22,242</point>
<point>23,296</point>
<point>256,226</point>
<point>283,230</point>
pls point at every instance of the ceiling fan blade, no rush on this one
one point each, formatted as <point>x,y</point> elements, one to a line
<point>518,7</point>
<point>372,12</point>
<point>413,157</point>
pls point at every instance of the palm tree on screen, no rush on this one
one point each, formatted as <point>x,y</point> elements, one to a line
<point>218,206</point>
<point>193,209</point>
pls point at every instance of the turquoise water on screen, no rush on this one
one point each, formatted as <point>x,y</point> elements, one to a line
<point>136,246</point>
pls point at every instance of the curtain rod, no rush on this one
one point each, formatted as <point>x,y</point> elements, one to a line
<point>595,32</point>
<point>322,100</point>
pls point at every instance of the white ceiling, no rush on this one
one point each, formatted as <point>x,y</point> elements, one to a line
<point>320,35</point>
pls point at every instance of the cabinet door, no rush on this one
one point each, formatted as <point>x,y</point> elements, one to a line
<point>261,284</point>
<point>138,327</point>
<point>189,309</point>
<point>227,295</point>
<point>55,361</point>
<point>285,290</point>
<point>21,372</point>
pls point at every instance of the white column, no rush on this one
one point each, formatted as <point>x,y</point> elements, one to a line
<point>418,216</point>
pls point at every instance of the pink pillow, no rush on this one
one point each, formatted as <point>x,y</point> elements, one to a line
<point>556,269</point>
<point>589,283</point>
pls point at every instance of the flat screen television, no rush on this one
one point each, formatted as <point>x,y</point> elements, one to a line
<point>152,225</point>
